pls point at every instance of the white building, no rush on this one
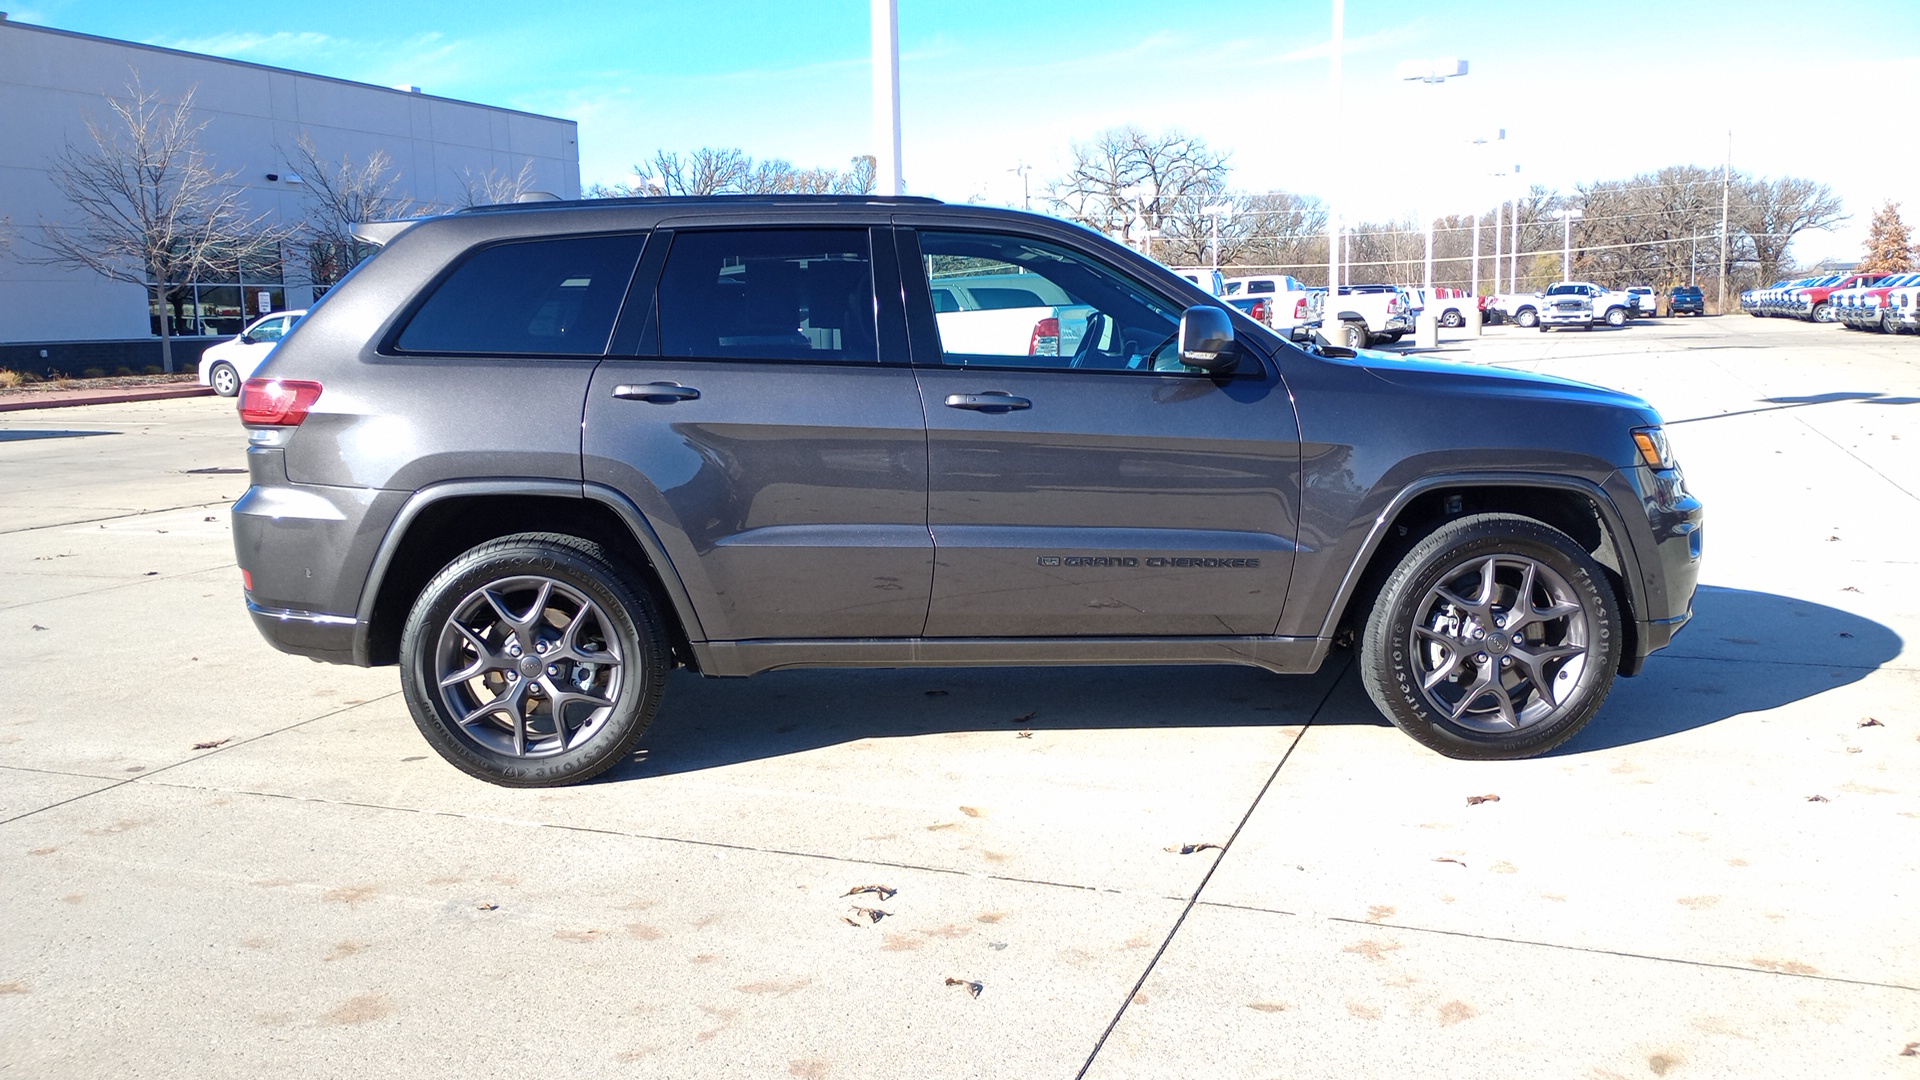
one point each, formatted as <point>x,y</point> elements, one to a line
<point>51,81</point>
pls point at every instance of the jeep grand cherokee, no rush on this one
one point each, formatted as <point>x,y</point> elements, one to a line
<point>538,455</point>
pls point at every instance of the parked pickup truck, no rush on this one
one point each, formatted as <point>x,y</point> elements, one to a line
<point>1370,314</point>
<point>1815,302</point>
<point>1559,307</point>
<point>1901,314</point>
<point>1452,307</point>
<point>1278,301</point>
<point>1864,307</point>
<point>1007,314</point>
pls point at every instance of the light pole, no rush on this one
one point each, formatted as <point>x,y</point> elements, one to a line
<point>1432,72</point>
<point>1566,216</point>
<point>1213,212</point>
<point>886,97</point>
<point>1333,139</point>
<point>1026,187</point>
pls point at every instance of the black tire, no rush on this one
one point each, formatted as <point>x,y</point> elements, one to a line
<point>224,379</point>
<point>1527,317</point>
<point>1823,312</point>
<point>1357,336</point>
<point>1453,320</point>
<point>1468,690</point>
<point>490,616</point>
<point>1616,317</point>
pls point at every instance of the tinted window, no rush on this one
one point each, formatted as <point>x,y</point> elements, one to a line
<point>770,294</point>
<point>533,297</point>
<point>270,330</point>
<point>1080,313</point>
<point>998,299</point>
<point>1259,286</point>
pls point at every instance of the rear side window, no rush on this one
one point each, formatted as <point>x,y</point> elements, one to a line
<point>529,298</point>
<point>769,294</point>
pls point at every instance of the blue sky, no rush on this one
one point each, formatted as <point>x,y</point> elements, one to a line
<point>989,85</point>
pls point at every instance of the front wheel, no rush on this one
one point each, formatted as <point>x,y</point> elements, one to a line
<point>1527,317</point>
<point>1616,317</point>
<point>529,661</point>
<point>1453,320</point>
<point>1357,337</point>
<point>1495,637</point>
<point>225,380</point>
<point>1823,313</point>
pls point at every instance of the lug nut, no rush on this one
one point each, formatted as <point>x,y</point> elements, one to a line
<point>553,669</point>
<point>1481,658</point>
<point>540,646</point>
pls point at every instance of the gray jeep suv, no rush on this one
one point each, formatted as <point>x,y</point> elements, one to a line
<point>538,455</point>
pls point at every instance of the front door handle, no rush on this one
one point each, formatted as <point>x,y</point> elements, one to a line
<point>990,401</point>
<point>659,393</point>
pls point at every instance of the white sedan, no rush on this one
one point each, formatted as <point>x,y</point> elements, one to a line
<point>226,365</point>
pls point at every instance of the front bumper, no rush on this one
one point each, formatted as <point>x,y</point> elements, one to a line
<point>1667,554</point>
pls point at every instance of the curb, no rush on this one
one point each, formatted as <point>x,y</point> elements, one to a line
<point>60,399</point>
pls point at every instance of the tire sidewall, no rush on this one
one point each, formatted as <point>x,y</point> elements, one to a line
<point>224,368</point>
<point>1388,660</point>
<point>640,686</point>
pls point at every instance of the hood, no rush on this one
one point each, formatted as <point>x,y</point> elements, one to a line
<point>1441,377</point>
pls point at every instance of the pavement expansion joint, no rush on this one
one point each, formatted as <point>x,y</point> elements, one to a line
<point>1192,901</point>
<point>1617,952</point>
<point>143,512</point>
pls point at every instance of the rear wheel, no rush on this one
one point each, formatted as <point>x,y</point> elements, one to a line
<point>1496,637</point>
<point>225,380</point>
<point>1356,335</point>
<point>1453,320</point>
<point>529,661</point>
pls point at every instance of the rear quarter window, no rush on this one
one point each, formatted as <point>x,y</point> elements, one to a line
<point>549,297</point>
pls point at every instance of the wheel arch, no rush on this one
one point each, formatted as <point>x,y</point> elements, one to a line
<point>1572,505</point>
<point>438,523</point>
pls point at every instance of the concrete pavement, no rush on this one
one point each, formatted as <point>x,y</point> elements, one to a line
<point>319,895</point>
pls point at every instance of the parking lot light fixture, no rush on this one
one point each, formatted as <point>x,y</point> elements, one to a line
<point>1566,216</point>
<point>1433,72</point>
<point>1214,212</point>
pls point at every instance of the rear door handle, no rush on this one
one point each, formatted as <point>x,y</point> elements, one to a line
<point>659,393</point>
<point>990,401</point>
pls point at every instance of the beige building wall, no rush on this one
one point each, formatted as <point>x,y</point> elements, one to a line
<point>52,80</point>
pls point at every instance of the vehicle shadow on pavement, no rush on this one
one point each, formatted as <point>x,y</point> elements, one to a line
<point>709,723</point>
<point>1744,652</point>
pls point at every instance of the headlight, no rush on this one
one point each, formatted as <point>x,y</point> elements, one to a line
<point>1652,442</point>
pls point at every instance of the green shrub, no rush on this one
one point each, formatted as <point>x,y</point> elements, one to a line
<point>93,373</point>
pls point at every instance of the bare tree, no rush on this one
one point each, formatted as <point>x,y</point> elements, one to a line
<point>731,171</point>
<point>150,208</point>
<point>1131,184</point>
<point>1771,213</point>
<point>491,187</point>
<point>339,197</point>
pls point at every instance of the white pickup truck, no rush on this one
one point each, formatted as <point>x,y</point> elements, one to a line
<point>1369,316</point>
<point>1582,303</point>
<point>1279,300</point>
<point>1007,315</point>
<point>1529,309</point>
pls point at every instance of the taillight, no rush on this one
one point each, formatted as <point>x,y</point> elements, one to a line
<point>1258,312</point>
<point>277,402</point>
<point>1300,308</point>
<point>1046,338</point>
<point>246,580</point>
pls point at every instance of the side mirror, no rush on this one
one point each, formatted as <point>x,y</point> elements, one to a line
<point>1206,339</point>
<point>246,339</point>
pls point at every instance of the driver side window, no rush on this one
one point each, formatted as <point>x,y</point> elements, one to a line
<point>1015,302</point>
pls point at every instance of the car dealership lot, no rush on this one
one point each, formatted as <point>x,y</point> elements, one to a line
<point>1715,878</point>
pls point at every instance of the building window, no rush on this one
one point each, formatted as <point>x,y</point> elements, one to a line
<point>222,307</point>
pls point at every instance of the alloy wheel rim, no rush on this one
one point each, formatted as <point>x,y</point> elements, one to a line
<point>1499,643</point>
<point>528,666</point>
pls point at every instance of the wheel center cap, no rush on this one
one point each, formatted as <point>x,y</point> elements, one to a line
<point>531,666</point>
<point>1498,644</point>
